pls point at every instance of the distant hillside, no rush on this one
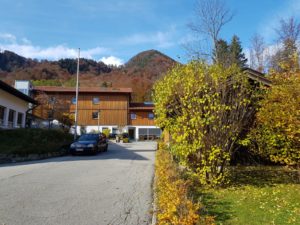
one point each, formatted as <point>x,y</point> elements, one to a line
<point>139,73</point>
<point>9,62</point>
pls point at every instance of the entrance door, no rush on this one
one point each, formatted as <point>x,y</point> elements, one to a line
<point>131,133</point>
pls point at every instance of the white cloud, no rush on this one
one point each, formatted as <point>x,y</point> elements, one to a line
<point>158,39</point>
<point>112,60</point>
<point>26,49</point>
<point>26,41</point>
<point>7,37</point>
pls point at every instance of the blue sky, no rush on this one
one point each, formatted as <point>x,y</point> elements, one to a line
<point>116,30</point>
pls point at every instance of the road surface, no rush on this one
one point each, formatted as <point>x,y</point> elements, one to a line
<point>110,188</point>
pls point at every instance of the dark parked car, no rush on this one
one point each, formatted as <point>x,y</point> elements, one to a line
<point>112,136</point>
<point>90,143</point>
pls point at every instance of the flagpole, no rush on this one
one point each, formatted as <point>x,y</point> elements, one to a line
<point>77,87</point>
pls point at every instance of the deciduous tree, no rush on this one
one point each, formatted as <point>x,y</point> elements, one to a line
<point>288,35</point>
<point>257,53</point>
<point>211,16</point>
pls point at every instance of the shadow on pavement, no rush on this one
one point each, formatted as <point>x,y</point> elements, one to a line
<point>115,151</point>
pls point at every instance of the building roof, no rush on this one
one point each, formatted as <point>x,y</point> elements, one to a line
<point>82,89</point>
<point>257,76</point>
<point>141,106</point>
<point>9,89</point>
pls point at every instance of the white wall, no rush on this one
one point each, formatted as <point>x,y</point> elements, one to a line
<point>95,128</point>
<point>125,129</point>
<point>10,101</point>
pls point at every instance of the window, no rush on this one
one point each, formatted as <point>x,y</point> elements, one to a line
<point>95,115</point>
<point>115,130</point>
<point>20,119</point>
<point>24,91</point>
<point>11,118</point>
<point>52,100</point>
<point>2,112</point>
<point>133,116</point>
<point>73,101</point>
<point>150,116</point>
<point>96,100</point>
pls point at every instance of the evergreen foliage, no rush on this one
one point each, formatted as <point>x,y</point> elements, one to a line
<point>228,54</point>
<point>221,53</point>
<point>236,53</point>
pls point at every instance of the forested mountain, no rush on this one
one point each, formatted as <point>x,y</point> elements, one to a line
<point>139,73</point>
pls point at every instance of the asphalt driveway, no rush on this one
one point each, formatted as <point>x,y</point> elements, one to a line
<point>111,188</point>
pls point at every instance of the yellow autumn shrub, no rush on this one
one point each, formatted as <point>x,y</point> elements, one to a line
<point>276,134</point>
<point>173,204</point>
<point>205,108</point>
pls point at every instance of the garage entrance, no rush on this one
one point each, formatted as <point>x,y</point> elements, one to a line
<point>149,134</point>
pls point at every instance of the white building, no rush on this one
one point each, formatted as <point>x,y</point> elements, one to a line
<point>14,106</point>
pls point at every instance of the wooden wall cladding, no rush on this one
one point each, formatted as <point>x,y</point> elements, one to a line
<point>141,118</point>
<point>113,108</point>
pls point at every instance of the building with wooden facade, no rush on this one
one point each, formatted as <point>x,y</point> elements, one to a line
<point>99,109</point>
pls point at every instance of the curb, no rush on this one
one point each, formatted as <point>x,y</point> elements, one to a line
<point>154,207</point>
<point>31,157</point>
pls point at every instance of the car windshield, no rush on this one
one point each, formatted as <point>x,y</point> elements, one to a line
<point>88,137</point>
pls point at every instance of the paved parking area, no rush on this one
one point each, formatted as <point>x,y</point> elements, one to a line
<point>114,187</point>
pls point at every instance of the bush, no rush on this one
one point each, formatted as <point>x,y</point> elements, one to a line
<point>206,109</point>
<point>125,140</point>
<point>106,132</point>
<point>276,134</point>
<point>33,141</point>
<point>173,203</point>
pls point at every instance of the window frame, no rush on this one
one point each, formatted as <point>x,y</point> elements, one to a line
<point>151,117</point>
<point>98,115</point>
<point>133,114</point>
<point>73,100</point>
<point>96,103</point>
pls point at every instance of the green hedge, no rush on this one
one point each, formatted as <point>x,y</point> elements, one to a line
<point>33,141</point>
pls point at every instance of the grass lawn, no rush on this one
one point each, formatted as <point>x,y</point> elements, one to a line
<point>256,195</point>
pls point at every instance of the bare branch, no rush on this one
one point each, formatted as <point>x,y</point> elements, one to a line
<point>257,53</point>
<point>288,30</point>
<point>211,15</point>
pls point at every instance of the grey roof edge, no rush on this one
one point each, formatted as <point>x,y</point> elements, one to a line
<point>6,87</point>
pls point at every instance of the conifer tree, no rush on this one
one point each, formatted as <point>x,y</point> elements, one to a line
<point>236,52</point>
<point>221,53</point>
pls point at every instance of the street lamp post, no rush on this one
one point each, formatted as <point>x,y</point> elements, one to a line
<point>98,121</point>
<point>77,87</point>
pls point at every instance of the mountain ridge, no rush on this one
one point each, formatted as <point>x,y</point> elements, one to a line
<point>139,73</point>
